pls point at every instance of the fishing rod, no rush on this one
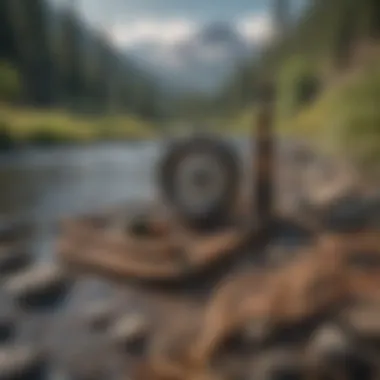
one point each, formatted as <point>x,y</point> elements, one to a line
<point>264,146</point>
<point>200,176</point>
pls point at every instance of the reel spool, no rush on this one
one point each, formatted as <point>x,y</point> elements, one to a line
<point>200,179</point>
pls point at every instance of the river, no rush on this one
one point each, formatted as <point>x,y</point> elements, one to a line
<point>43,185</point>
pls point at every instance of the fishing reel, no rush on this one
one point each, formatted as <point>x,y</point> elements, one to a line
<point>199,179</point>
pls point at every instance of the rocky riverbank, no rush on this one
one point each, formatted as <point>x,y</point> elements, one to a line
<point>54,324</point>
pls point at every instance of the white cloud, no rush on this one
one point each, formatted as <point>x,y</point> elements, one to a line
<point>256,28</point>
<point>160,41</point>
<point>165,32</point>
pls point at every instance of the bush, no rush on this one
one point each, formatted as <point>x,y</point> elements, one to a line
<point>298,86</point>
<point>50,127</point>
<point>9,83</point>
<point>44,137</point>
<point>6,141</point>
<point>346,119</point>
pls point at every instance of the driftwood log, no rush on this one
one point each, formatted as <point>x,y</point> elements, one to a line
<point>315,314</point>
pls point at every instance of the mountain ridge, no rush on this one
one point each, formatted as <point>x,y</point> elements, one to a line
<point>200,62</point>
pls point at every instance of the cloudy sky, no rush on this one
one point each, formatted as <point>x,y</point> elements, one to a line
<point>131,22</point>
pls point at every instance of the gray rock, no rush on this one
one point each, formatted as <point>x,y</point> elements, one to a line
<point>88,367</point>
<point>39,288</point>
<point>130,333</point>
<point>89,372</point>
<point>98,316</point>
<point>23,363</point>
<point>14,231</point>
<point>278,364</point>
<point>332,353</point>
<point>7,328</point>
<point>364,321</point>
<point>13,258</point>
<point>352,212</point>
<point>328,342</point>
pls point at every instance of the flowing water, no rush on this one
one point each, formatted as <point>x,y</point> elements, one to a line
<point>44,185</point>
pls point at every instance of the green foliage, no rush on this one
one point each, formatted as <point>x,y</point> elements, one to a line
<point>63,63</point>
<point>359,125</point>
<point>9,83</point>
<point>51,127</point>
<point>244,122</point>
<point>6,141</point>
<point>346,119</point>
<point>43,137</point>
<point>325,94</point>
<point>297,86</point>
<point>321,38</point>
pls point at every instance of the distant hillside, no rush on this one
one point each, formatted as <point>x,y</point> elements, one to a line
<point>327,70</point>
<point>201,62</point>
<point>61,62</point>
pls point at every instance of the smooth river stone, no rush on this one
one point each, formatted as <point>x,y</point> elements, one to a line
<point>130,334</point>
<point>23,363</point>
<point>39,288</point>
<point>13,258</point>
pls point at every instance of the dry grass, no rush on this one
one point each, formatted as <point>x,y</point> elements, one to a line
<point>59,126</point>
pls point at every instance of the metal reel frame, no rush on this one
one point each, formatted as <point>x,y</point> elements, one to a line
<point>218,208</point>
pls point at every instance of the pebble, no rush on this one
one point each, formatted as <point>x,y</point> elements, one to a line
<point>278,364</point>
<point>98,316</point>
<point>90,363</point>
<point>22,363</point>
<point>11,232</point>
<point>328,343</point>
<point>364,320</point>
<point>39,288</point>
<point>332,352</point>
<point>351,212</point>
<point>130,334</point>
<point>89,370</point>
<point>13,258</point>
<point>7,329</point>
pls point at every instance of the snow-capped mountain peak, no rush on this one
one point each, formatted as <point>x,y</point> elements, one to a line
<point>197,58</point>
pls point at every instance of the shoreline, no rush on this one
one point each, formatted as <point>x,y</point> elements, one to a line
<point>19,146</point>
